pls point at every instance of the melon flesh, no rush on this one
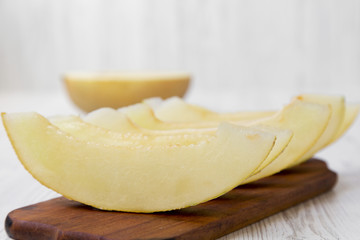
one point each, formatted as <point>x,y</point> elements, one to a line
<point>83,130</point>
<point>143,116</point>
<point>283,139</point>
<point>140,114</point>
<point>177,110</point>
<point>145,179</point>
<point>298,116</point>
<point>111,119</point>
<point>351,112</point>
<point>307,121</point>
<point>337,106</point>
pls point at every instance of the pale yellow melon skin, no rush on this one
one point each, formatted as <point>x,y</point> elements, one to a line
<point>93,91</point>
<point>144,179</point>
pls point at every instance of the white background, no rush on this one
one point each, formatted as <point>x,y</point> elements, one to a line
<point>236,49</point>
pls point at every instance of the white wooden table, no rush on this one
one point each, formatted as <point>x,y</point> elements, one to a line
<point>334,215</point>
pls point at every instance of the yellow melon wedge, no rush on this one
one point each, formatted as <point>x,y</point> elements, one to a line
<point>176,110</point>
<point>147,179</point>
<point>337,106</point>
<point>351,112</point>
<point>83,130</point>
<point>307,121</point>
<point>90,91</point>
<point>144,117</point>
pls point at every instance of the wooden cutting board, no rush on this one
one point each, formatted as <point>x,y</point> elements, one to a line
<point>63,219</point>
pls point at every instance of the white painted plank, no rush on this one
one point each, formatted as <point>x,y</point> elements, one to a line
<point>236,46</point>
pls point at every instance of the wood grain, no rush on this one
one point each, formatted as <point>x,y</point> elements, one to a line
<point>62,219</point>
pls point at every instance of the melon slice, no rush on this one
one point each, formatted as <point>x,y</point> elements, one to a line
<point>337,106</point>
<point>351,112</point>
<point>142,179</point>
<point>307,121</point>
<point>83,130</point>
<point>144,117</point>
<point>177,110</point>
